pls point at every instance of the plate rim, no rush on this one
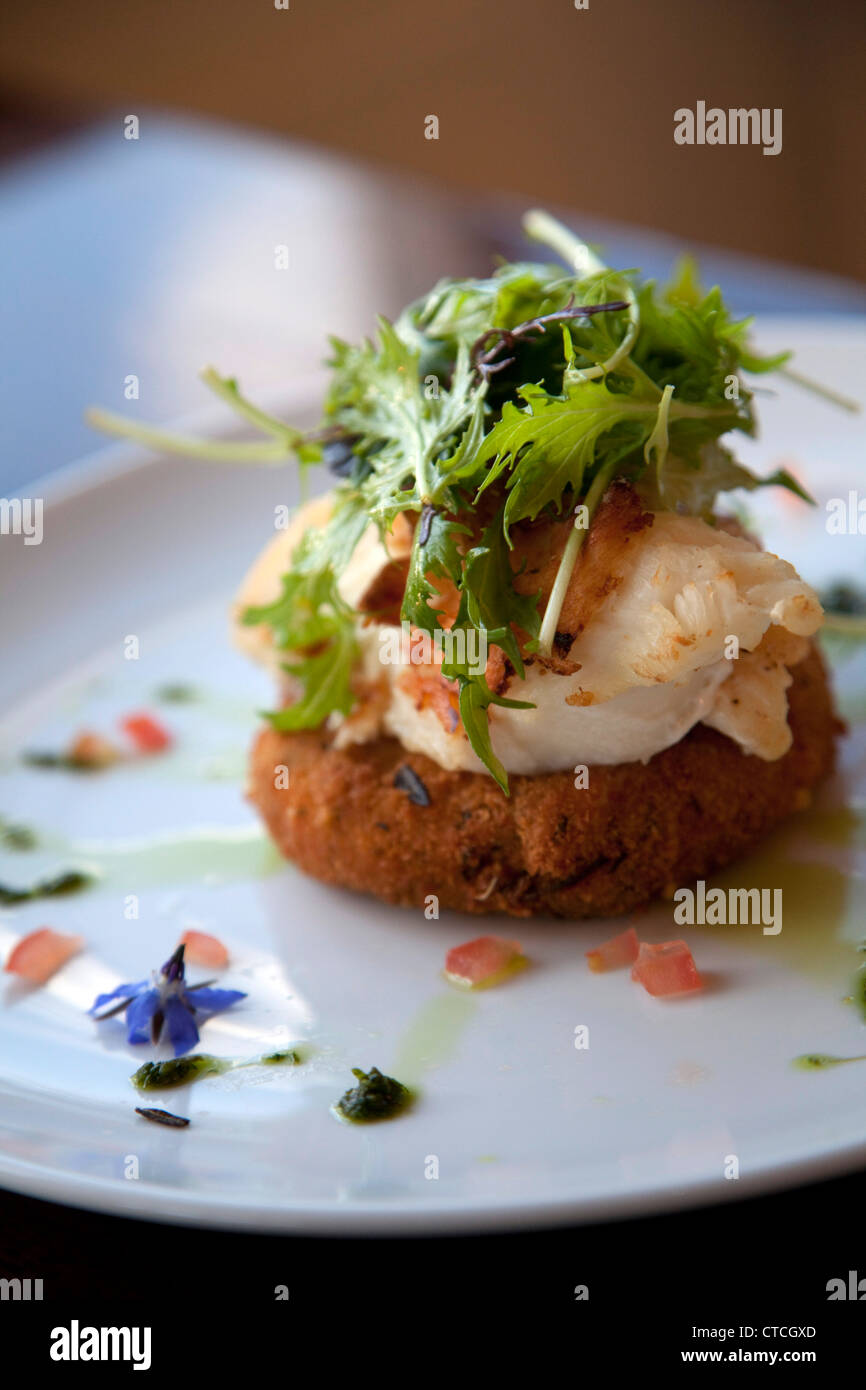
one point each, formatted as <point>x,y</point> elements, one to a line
<point>474,1215</point>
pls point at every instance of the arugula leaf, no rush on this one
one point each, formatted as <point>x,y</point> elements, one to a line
<point>489,606</point>
<point>493,605</point>
<point>474,699</point>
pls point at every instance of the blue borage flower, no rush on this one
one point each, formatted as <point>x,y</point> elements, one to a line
<point>165,1006</point>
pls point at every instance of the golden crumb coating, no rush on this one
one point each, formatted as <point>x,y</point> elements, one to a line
<point>635,831</point>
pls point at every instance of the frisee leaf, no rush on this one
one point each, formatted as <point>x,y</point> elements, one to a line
<point>326,677</point>
<point>406,426</point>
<point>547,448</point>
<point>312,622</point>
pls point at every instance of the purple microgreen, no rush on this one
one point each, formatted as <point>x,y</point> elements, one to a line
<point>484,357</point>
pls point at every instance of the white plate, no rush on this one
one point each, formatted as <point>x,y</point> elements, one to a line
<point>524,1127</point>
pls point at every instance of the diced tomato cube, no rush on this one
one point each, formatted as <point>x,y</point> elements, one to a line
<point>483,961</point>
<point>667,968</point>
<point>618,951</point>
<point>147,733</point>
<point>39,955</point>
<point>91,750</point>
<point>202,949</point>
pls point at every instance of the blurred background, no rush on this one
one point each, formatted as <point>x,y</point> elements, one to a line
<point>306,127</point>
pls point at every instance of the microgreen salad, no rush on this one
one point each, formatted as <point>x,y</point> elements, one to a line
<point>490,401</point>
